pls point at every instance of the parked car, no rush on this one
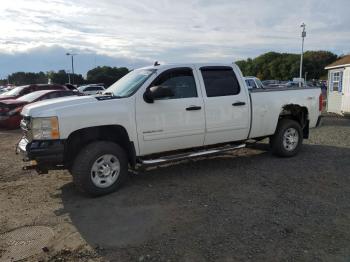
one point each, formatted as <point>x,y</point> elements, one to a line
<point>253,82</point>
<point>3,89</point>
<point>23,90</point>
<point>268,83</point>
<point>10,109</point>
<point>91,89</point>
<point>162,113</point>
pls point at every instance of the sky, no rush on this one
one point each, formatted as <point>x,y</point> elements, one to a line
<point>35,35</point>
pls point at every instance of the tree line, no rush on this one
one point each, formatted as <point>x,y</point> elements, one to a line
<point>271,65</point>
<point>285,66</point>
<point>102,74</point>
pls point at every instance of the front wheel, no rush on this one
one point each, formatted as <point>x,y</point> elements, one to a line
<point>100,168</point>
<point>288,138</point>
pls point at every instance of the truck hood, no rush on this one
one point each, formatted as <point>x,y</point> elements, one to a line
<point>50,106</point>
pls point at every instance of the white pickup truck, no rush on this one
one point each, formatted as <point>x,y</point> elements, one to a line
<point>162,113</point>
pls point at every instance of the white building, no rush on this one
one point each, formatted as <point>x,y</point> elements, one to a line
<point>338,93</point>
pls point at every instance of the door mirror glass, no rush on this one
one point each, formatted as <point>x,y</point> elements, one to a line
<point>157,92</point>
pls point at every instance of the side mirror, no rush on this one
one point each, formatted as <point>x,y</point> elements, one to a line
<point>157,92</point>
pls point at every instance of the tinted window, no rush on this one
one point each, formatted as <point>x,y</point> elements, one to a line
<point>180,81</point>
<point>49,96</point>
<point>220,81</point>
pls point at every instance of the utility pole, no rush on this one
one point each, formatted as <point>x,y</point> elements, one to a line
<point>72,58</point>
<point>68,72</point>
<point>303,35</point>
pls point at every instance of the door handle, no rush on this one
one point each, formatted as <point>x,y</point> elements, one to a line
<point>238,104</point>
<point>192,108</point>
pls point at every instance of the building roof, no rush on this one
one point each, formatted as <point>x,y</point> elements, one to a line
<point>344,61</point>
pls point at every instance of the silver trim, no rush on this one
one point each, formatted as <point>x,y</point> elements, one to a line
<point>178,157</point>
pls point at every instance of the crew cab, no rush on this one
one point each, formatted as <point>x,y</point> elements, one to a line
<point>162,113</point>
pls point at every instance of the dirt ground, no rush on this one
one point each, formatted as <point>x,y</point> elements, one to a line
<point>246,206</point>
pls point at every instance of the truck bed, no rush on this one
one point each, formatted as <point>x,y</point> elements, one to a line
<point>267,103</point>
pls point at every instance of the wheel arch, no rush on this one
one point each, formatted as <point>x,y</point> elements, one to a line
<point>297,113</point>
<point>82,137</point>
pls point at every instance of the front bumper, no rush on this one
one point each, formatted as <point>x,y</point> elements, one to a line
<point>48,154</point>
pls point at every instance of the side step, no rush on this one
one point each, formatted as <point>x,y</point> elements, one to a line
<point>178,157</point>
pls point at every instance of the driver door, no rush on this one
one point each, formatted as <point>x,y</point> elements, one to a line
<point>172,123</point>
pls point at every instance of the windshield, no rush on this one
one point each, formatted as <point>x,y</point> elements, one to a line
<point>32,96</point>
<point>130,83</point>
<point>14,92</point>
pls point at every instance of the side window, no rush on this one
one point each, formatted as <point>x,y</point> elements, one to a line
<point>181,81</point>
<point>251,83</point>
<point>220,81</point>
<point>26,91</point>
<point>49,96</point>
<point>67,93</point>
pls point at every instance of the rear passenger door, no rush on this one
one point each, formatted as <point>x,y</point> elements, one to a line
<point>227,110</point>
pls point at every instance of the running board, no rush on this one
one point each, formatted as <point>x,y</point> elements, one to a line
<point>184,156</point>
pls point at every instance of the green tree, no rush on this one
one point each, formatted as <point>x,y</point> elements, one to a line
<point>285,66</point>
<point>106,74</point>
<point>62,77</point>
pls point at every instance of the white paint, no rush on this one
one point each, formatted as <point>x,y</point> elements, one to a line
<point>166,125</point>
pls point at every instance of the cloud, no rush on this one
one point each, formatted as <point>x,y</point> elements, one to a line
<point>44,58</point>
<point>134,32</point>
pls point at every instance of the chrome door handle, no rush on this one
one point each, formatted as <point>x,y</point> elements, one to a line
<point>192,108</point>
<point>239,103</point>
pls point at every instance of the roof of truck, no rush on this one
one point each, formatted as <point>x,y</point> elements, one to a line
<point>165,65</point>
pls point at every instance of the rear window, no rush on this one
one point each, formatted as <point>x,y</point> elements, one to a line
<point>220,81</point>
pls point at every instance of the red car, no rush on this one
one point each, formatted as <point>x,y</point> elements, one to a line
<point>23,90</point>
<point>10,110</point>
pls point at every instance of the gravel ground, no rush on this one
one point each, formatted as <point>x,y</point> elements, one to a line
<point>243,206</point>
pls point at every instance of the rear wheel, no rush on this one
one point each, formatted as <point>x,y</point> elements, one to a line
<point>287,140</point>
<point>100,168</point>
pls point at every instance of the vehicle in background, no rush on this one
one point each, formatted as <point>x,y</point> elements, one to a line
<point>4,89</point>
<point>23,90</point>
<point>298,80</point>
<point>10,109</point>
<point>271,83</point>
<point>91,89</point>
<point>253,82</point>
<point>292,84</point>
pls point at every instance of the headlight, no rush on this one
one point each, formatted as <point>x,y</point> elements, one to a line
<point>45,128</point>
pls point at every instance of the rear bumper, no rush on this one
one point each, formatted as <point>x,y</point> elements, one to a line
<point>48,154</point>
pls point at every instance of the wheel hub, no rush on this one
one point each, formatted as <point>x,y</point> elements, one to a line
<point>290,139</point>
<point>105,171</point>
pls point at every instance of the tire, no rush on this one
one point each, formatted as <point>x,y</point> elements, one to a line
<point>95,169</point>
<point>283,143</point>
